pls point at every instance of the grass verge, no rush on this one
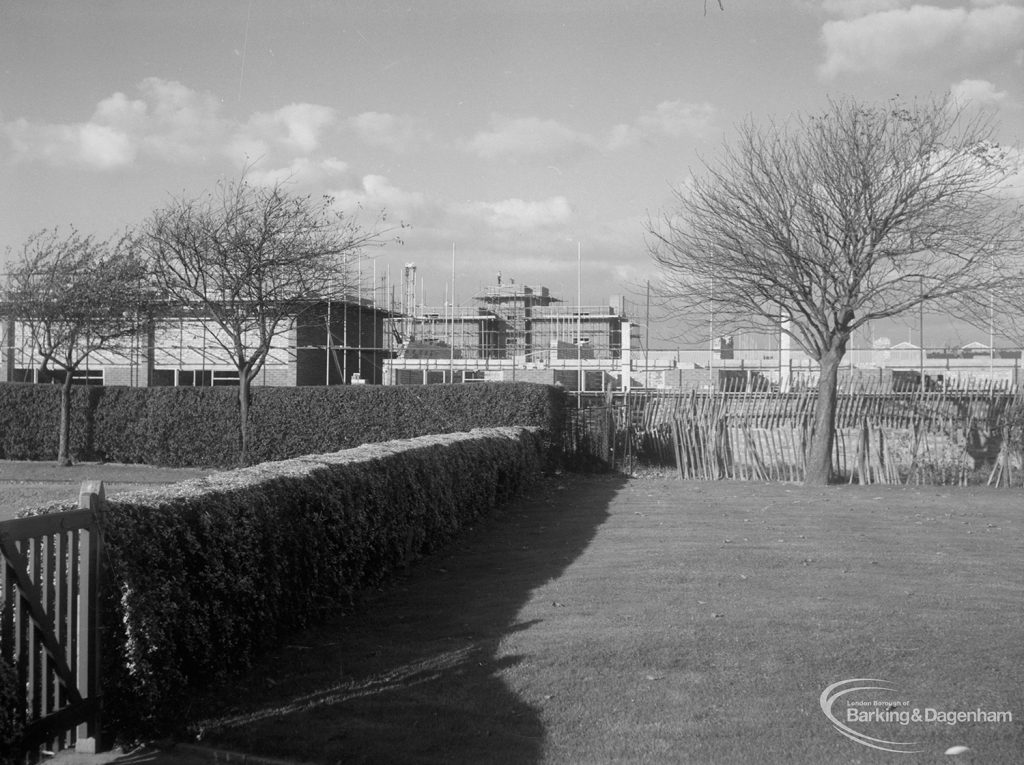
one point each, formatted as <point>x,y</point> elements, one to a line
<point>657,621</point>
<point>25,484</point>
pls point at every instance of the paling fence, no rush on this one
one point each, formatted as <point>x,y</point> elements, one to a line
<point>951,436</point>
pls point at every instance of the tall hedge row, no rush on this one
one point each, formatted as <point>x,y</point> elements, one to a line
<point>29,417</point>
<point>11,722</point>
<point>199,426</point>
<point>204,575</point>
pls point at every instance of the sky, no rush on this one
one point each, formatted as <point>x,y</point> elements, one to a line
<point>533,138</point>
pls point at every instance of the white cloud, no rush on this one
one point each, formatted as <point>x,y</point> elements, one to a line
<point>979,92</point>
<point>295,129</point>
<point>376,194</point>
<point>169,122</point>
<point>890,39</point>
<point>103,146</point>
<point>301,172</point>
<point>395,132</point>
<point>519,214</point>
<point>528,137</point>
<point>536,138</point>
<point>669,118</point>
<point>90,144</point>
<point>303,124</point>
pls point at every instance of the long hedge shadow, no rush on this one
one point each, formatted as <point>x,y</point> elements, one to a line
<point>411,674</point>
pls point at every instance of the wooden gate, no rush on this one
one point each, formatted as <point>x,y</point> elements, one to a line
<point>49,621</point>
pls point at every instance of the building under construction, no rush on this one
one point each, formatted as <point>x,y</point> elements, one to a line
<point>511,332</point>
<point>514,332</point>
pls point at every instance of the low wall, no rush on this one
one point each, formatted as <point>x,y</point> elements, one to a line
<point>204,575</point>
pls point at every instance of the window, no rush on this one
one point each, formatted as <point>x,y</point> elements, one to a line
<point>46,376</point>
<point>194,377</point>
<point>87,377</point>
<point>225,377</point>
<point>56,376</point>
<point>162,377</point>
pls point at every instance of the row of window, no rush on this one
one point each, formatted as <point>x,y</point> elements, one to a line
<point>192,378</point>
<point>79,377</point>
<point>160,377</point>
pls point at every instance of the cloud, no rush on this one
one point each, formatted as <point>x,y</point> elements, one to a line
<point>169,122</point>
<point>395,132</point>
<point>540,234</point>
<point>302,172</point>
<point>528,137</point>
<point>536,138</point>
<point>104,146</point>
<point>172,122</point>
<point>519,214</point>
<point>897,38</point>
<point>293,129</point>
<point>377,195</point>
<point>95,145</point>
<point>300,125</point>
<point>979,92</point>
<point>669,118</point>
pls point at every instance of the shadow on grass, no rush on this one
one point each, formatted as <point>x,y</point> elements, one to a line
<point>412,674</point>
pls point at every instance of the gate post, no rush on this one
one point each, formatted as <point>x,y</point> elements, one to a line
<point>90,497</point>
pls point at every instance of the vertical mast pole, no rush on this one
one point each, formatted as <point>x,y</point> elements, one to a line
<point>579,324</point>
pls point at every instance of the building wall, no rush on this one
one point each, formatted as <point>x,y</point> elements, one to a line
<point>118,375</point>
<point>602,335</point>
<point>182,350</point>
<point>688,379</point>
<point>333,344</point>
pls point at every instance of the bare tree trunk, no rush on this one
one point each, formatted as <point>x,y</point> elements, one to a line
<point>243,409</point>
<point>819,458</point>
<point>64,440</point>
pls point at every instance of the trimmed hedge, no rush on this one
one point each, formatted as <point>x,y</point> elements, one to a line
<point>204,575</point>
<point>10,717</point>
<point>198,427</point>
<point>30,415</point>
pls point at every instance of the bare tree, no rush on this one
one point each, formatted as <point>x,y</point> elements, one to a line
<point>75,296</point>
<point>246,261</point>
<point>858,214</point>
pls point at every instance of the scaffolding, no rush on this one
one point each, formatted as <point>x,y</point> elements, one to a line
<point>516,304</point>
<point>354,338</point>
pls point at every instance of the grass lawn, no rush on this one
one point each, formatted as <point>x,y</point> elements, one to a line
<point>649,621</point>
<point>34,484</point>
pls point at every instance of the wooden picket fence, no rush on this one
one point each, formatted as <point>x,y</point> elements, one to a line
<point>942,437</point>
<point>49,623</point>
<point>950,436</point>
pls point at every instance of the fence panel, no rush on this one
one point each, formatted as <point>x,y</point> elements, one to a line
<point>49,622</point>
<point>948,436</point>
